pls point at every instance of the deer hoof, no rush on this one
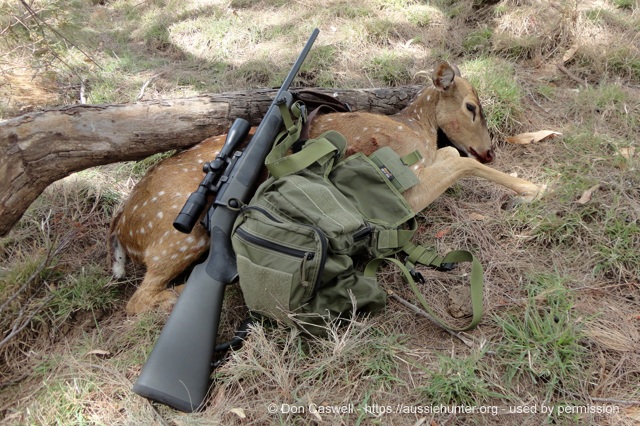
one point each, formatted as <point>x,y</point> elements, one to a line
<point>144,302</point>
<point>139,304</point>
<point>525,197</point>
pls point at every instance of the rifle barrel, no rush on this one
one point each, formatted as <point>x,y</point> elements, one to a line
<point>298,63</point>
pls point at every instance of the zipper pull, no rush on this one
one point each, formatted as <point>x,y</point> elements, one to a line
<point>303,278</point>
<point>362,233</point>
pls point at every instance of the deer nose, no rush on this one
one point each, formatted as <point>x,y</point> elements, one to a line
<point>488,156</point>
<point>483,157</point>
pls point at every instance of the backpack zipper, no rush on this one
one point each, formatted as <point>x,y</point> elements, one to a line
<point>362,233</point>
<point>324,244</point>
<point>280,248</point>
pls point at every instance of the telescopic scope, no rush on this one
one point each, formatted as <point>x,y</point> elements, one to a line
<point>198,200</point>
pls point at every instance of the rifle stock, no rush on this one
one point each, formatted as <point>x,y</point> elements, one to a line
<point>177,372</point>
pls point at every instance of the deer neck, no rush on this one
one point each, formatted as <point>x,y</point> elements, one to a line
<point>420,114</point>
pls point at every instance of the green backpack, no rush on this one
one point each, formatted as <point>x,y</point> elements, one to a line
<point>299,239</point>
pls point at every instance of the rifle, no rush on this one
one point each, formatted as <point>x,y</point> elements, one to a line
<point>177,372</point>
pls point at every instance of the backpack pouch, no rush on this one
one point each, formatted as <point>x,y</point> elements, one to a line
<point>279,262</point>
<point>308,198</point>
<point>368,187</point>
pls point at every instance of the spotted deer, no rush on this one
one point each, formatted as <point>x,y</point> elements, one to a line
<point>142,229</point>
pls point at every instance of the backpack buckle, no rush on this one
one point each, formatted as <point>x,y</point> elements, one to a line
<point>417,276</point>
<point>446,267</point>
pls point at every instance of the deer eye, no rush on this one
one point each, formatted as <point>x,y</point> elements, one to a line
<point>472,109</point>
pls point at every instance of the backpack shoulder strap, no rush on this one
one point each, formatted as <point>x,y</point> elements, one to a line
<point>419,254</point>
<point>280,163</point>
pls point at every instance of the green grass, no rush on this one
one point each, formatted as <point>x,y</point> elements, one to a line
<point>11,279</point>
<point>501,95</point>
<point>141,167</point>
<point>477,41</point>
<point>541,344</point>
<point>459,380</point>
<point>389,68</point>
<point>64,399</point>
<point>604,222</point>
<point>625,4</point>
<point>420,15</point>
<point>86,291</point>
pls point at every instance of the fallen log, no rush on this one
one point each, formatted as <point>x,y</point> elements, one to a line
<point>38,148</point>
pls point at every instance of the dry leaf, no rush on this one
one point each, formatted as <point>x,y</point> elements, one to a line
<point>99,352</point>
<point>527,138</point>
<point>586,195</point>
<point>632,413</point>
<point>627,152</point>
<point>477,217</point>
<point>443,232</point>
<point>239,412</point>
<point>568,55</point>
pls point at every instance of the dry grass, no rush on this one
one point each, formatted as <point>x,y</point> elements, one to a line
<point>562,296</point>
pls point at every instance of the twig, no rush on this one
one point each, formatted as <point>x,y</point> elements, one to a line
<point>17,329</point>
<point>83,99</point>
<point>50,253</point>
<point>470,343</point>
<point>37,17</point>
<point>146,83</point>
<point>13,382</point>
<point>607,400</point>
<point>614,401</point>
<point>18,323</point>
<point>569,74</point>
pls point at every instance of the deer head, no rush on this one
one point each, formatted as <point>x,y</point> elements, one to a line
<point>459,113</point>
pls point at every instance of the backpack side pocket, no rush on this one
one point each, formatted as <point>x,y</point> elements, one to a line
<point>280,262</point>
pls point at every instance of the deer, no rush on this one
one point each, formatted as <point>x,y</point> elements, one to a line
<point>142,228</point>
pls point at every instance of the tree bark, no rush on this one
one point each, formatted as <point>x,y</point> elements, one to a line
<point>38,148</point>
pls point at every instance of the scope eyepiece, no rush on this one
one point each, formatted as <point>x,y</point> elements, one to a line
<point>188,216</point>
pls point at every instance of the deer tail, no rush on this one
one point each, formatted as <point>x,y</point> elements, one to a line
<point>117,254</point>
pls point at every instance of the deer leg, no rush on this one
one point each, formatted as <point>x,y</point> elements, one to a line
<point>152,293</point>
<point>448,167</point>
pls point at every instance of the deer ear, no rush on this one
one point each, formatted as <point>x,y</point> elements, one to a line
<point>443,76</point>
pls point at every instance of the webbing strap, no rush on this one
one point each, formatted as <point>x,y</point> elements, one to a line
<point>456,256</point>
<point>280,165</point>
<point>394,238</point>
<point>411,158</point>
